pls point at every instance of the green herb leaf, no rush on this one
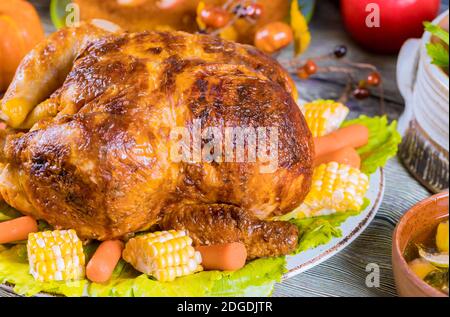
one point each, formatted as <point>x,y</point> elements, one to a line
<point>438,54</point>
<point>437,31</point>
<point>438,279</point>
<point>437,51</point>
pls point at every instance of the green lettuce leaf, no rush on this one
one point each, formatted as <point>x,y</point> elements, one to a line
<point>7,212</point>
<point>383,142</point>
<point>314,233</point>
<point>320,230</point>
<point>439,54</point>
<point>14,270</point>
<point>257,278</point>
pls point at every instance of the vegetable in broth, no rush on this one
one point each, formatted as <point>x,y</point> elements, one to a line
<point>427,256</point>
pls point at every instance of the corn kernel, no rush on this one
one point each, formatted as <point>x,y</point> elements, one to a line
<point>55,256</point>
<point>164,255</point>
<point>335,188</point>
<point>324,116</point>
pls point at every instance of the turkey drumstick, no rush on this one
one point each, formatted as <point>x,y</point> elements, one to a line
<point>219,223</point>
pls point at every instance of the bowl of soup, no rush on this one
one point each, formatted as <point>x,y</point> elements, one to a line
<point>420,249</point>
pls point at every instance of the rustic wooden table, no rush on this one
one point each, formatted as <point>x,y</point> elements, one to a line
<point>345,273</point>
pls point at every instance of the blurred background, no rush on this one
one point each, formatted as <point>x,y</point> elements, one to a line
<point>329,25</point>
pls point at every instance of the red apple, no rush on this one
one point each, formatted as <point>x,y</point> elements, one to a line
<point>398,20</point>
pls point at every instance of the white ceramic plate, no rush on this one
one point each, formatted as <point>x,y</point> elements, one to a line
<point>351,229</point>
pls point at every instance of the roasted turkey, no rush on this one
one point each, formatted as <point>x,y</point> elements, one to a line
<point>90,114</point>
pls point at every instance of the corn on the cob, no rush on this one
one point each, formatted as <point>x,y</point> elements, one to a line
<point>324,116</point>
<point>164,255</point>
<point>56,256</point>
<point>335,188</point>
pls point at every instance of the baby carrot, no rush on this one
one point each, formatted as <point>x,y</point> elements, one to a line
<point>102,264</point>
<point>354,136</point>
<point>17,229</point>
<point>347,155</point>
<point>223,257</point>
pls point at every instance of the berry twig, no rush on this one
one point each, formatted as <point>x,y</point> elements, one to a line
<point>347,90</point>
<point>358,89</point>
<point>272,37</point>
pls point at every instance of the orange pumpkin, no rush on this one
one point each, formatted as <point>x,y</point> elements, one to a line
<point>20,30</point>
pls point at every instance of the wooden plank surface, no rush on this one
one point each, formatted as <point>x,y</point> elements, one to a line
<point>345,273</point>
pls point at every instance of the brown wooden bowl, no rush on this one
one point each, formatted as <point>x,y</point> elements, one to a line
<point>422,217</point>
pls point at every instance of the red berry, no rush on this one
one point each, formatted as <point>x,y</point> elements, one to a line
<point>340,51</point>
<point>374,79</point>
<point>302,73</point>
<point>254,10</point>
<point>310,67</point>
<point>361,93</point>
<point>215,17</point>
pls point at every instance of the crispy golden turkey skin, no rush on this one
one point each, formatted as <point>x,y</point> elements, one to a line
<point>101,107</point>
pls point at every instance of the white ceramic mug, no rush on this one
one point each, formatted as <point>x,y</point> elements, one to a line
<point>425,121</point>
<point>425,88</point>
